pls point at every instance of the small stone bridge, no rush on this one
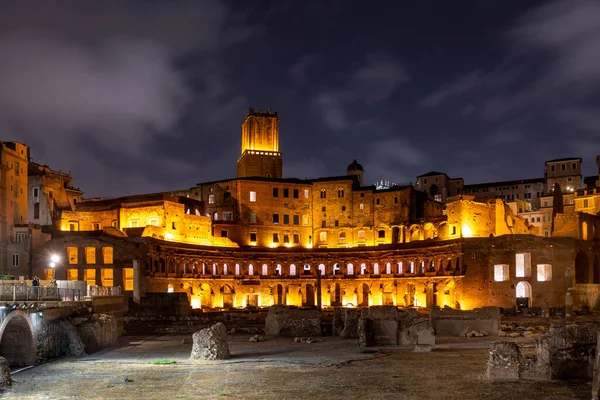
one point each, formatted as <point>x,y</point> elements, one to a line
<point>26,312</point>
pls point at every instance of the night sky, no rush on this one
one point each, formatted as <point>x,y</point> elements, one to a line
<point>145,96</point>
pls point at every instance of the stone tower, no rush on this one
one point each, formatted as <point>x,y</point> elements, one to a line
<point>260,146</point>
<point>356,169</point>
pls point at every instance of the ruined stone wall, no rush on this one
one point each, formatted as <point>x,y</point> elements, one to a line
<point>447,321</point>
<point>86,219</point>
<point>481,289</point>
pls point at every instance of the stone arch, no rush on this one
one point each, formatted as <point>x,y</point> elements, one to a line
<point>350,268</point>
<point>582,268</point>
<point>429,231</point>
<point>523,293</point>
<point>395,235</point>
<point>322,269</point>
<point>388,268</point>
<point>335,295</point>
<point>279,294</point>
<point>415,233</point>
<point>309,295</point>
<point>364,293</point>
<point>17,339</point>
<point>387,295</point>
<point>205,295</point>
<point>228,296</point>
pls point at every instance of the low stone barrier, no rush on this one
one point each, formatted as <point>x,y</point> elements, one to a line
<point>289,321</point>
<point>565,352</point>
<point>448,321</point>
<point>386,325</point>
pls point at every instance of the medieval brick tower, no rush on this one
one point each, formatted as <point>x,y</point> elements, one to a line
<point>260,146</point>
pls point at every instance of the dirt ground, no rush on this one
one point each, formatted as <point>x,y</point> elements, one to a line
<point>279,369</point>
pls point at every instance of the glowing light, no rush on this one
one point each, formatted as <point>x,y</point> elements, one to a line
<point>288,245</point>
<point>466,231</point>
<point>54,258</point>
<point>195,303</point>
<point>273,245</point>
<point>349,305</point>
<point>309,246</point>
<point>169,236</point>
<point>170,289</point>
<point>52,265</point>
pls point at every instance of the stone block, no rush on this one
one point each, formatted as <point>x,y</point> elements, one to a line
<point>211,343</point>
<point>504,361</point>
<point>288,321</point>
<point>366,333</point>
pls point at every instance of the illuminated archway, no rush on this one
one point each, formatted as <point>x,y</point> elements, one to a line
<point>17,342</point>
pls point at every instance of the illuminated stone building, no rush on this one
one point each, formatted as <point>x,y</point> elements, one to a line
<point>260,239</point>
<point>14,231</point>
<point>439,185</point>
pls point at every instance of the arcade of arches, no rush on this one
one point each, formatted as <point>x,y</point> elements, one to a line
<point>348,278</point>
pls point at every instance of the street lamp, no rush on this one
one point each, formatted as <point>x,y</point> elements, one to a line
<point>54,258</point>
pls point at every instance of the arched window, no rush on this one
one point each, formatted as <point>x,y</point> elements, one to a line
<point>340,192</point>
<point>376,269</point>
<point>237,269</point>
<point>350,268</point>
<point>323,194</point>
<point>342,236</point>
<point>388,268</point>
<point>292,269</point>
<point>322,269</point>
<point>361,234</point>
<point>250,269</point>
<point>265,269</point>
<point>211,199</point>
<point>363,268</point>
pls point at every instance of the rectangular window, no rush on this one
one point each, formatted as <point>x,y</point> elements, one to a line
<point>276,238</point>
<point>173,225</point>
<point>454,229</point>
<point>286,219</point>
<point>286,238</point>
<point>275,192</point>
<point>295,193</point>
<point>90,255</point>
<point>501,272</point>
<point>153,221</point>
<point>107,255</point>
<point>127,278</point>
<point>89,276</point>
<point>96,226</point>
<point>36,211</point>
<point>275,218</point>
<point>286,192</point>
<point>573,166</point>
<point>253,197</point>
<point>224,233</point>
<point>544,272</point>
<point>253,237</point>
<point>228,216</point>
<point>296,238</point>
<point>585,202</point>
<point>36,193</point>
<point>523,265</point>
<point>381,234</point>
<point>323,236</point>
<point>305,220</point>
<point>21,237</point>
<point>72,274</point>
<point>17,169</point>
<point>72,255</point>
<point>134,223</point>
<point>306,193</point>
<point>15,259</point>
<point>252,218</point>
<point>323,224</point>
<point>296,220</point>
<point>361,206</point>
<point>106,275</point>
<point>336,223</point>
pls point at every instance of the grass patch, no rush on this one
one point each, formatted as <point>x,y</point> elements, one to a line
<point>162,361</point>
<point>221,394</point>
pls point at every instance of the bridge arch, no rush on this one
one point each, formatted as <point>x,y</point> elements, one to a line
<point>17,339</point>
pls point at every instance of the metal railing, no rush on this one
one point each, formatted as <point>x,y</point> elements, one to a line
<point>95,291</point>
<point>23,292</point>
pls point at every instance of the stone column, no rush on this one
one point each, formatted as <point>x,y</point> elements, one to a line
<point>137,281</point>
